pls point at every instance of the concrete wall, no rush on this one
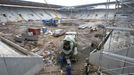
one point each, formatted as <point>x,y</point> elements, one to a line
<point>17,60</point>
<point>20,65</point>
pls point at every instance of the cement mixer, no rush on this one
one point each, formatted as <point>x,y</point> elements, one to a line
<point>69,51</point>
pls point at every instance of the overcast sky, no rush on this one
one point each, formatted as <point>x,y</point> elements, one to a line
<point>70,2</point>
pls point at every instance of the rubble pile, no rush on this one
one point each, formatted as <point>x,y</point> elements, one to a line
<point>49,54</point>
<point>51,50</point>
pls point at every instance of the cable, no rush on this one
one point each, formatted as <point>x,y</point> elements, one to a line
<point>129,6</point>
<point>48,7</point>
<point>55,12</point>
<point>107,12</point>
<point>101,54</point>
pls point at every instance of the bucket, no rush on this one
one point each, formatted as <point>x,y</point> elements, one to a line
<point>44,29</point>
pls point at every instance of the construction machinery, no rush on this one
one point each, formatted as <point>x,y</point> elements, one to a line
<point>69,51</point>
<point>50,22</point>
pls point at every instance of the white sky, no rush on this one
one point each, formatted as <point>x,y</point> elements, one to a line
<point>70,2</point>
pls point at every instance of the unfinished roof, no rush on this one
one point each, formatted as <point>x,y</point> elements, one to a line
<point>96,4</point>
<point>27,3</point>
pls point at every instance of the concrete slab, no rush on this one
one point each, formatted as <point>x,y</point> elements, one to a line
<point>3,67</point>
<point>14,63</point>
<point>6,50</point>
<point>20,65</point>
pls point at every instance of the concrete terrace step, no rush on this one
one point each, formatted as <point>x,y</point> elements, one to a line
<point>55,70</point>
<point>59,73</point>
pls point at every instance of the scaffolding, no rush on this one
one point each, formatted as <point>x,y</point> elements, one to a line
<point>117,60</point>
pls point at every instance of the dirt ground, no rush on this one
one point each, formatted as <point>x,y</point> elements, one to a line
<point>49,46</point>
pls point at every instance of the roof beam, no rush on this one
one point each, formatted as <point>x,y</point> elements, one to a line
<point>19,6</point>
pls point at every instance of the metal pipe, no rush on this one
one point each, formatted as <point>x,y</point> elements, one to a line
<point>33,7</point>
<point>129,59</point>
<point>121,29</point>
<point>102,43</point>
<point>115,69</point>
<point>104,40</point>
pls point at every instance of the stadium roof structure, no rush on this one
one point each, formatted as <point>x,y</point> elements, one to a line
<point>28,3</point>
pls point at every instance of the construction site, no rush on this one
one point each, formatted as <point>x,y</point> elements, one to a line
<point>48,39</point>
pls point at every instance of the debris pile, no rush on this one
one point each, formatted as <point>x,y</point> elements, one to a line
<point>50,53</point>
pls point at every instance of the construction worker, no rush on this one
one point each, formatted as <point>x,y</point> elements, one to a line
<point>68,70</point>
<point>87,67</point>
